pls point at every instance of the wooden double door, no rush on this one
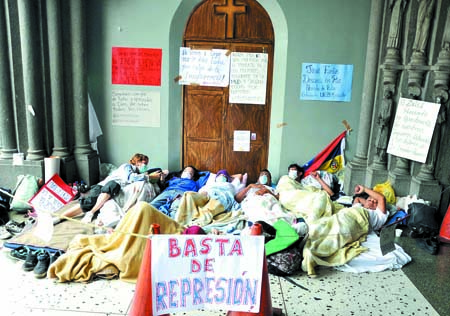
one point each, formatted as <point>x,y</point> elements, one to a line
<point>209,119</point>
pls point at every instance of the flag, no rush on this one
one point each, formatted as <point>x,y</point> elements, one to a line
<point>330,159</point>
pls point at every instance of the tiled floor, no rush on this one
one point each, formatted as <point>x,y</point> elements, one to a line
<point>331,293</point>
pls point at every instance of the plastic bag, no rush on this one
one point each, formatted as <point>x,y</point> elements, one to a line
<point>387,190</point>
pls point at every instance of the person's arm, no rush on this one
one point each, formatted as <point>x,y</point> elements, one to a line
<point>265,190</point>
<point>322,183</point>
<point>373,194</point>
<point>243,193</point>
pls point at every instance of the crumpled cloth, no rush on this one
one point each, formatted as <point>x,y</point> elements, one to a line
<point>335,240</point>
<point>119,253</point>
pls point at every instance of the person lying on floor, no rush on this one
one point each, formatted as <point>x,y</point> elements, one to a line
<point>375,204</point>
<point>259,202</point>
<point>182,181</point>
<point>93,200</point>
<point>318,179</point>
<point>216,197</point>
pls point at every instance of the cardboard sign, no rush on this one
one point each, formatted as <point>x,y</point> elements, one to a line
<point>206,272</point>
<point>136,66</point>
<point>52,196</point>
<point>413,129</point>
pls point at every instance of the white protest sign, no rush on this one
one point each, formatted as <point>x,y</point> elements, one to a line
<point>206,67</point>
<point>206,272</point>
<point>413,129</point>
<point>248,78</point>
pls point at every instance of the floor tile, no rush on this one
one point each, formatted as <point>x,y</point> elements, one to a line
<point>27,292</point>
<point>340,293</point>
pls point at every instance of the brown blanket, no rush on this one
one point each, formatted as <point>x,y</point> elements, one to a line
<point>119,253</point>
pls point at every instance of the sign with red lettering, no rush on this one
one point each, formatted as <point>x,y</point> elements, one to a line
<point>53,195</point>
<point>136,66</point>
<point>191,272</point>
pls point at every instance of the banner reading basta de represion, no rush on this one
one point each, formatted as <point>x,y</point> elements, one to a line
<point>192,272</point>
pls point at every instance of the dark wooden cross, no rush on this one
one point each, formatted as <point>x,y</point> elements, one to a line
<point>230,10</point>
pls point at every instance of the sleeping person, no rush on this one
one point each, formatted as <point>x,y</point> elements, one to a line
<point>182,181</point>
<point>214,198</point>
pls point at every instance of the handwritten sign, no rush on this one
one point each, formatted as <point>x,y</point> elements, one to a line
<point>135,108</point>
<point>241,141</point>
<point>209,67</point>
<point>326,82</point>
<point>136,66</point>
<point>52,196</point>
<point>206,272</point>
<point>413,129</point>
<point>248,78</point>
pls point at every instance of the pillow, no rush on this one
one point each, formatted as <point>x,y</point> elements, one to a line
<point>26,188</point>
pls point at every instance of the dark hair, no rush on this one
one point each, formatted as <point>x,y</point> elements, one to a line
<point>296,166</point>
<point>196,175</point>
<point>362,195</point>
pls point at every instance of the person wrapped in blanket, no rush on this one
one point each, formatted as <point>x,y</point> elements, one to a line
<point>318,179</point>
<point>92,201</point>
<point>175,185</point>
<point>213,199</point>
<point>260,203</point>
<point>374,202</point>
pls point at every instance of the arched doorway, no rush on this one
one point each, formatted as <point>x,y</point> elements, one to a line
<point>209,119</point>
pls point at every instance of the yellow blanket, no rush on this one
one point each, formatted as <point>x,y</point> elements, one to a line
<point>304,201</point>
<point>335,240</point>
<point>119,253</point>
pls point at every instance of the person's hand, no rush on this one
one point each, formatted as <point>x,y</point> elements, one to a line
<point>359,189</point>
<point>315,175</point>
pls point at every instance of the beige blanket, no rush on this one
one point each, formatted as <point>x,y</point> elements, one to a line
<point>304,201</point>
<point>335,240</point>
<point>335,233</point>
<point>119,253</point>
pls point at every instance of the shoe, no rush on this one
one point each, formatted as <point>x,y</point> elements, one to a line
<point>4,233</point>
<point>31,261</point>
<point>87,218</point>
<point>431,245</point>
<point>14,227</point>
<point>54,256</point>
<point>40,270</point>
<point>19,253</point>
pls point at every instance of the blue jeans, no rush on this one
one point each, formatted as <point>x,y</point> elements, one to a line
<point>165,199</point>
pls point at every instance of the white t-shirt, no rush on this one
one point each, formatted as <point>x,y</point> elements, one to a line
<point>376,217</point>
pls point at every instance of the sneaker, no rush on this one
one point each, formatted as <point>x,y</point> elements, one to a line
<point>40,270</point>
<point>4,233</point>
<point>19,253</point>
<point>31,260</point>
<point>87,218</point>
<point>14,227</point>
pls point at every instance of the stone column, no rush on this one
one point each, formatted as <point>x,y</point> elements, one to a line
<point>86,158</point>
<point>30,47</point>
<point>55,50</point>
<point>7,129</point>
<point>392,67</point>
<point>356,169</point>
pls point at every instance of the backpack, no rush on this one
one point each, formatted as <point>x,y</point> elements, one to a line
<point>287,261</point>
<point>4,206</point>
<point>422,220</point>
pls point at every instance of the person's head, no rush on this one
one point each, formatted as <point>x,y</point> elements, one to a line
<point>222,176</point>
<point>265,177</point>
<point>295,171</point>
<point>140,161</point>
<point>190,172</point>
<point>370,203</point>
